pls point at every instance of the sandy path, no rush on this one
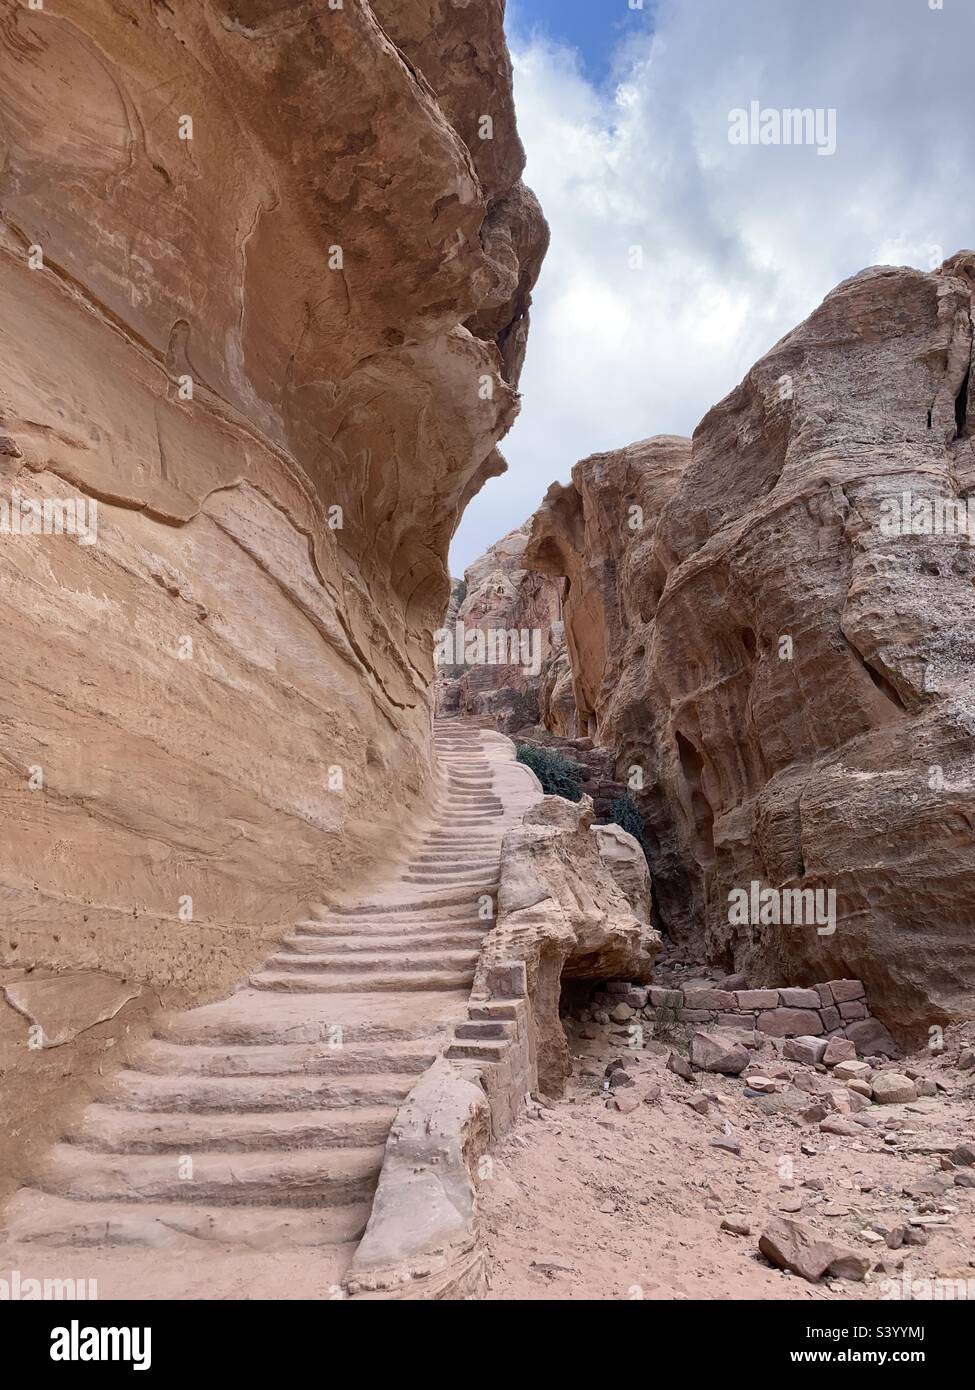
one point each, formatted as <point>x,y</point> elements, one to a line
<point>589,1203</point>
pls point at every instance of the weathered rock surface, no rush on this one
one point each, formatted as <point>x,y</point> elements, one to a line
<point>556,698</point>
<point>584,532</point>
<point>421,1229</point>
<point>627,863</point>
<point>794,677</point>
<point>62,1006</point>
<point>562,911</point>
<point>265,295</point>
<point>519,614</point>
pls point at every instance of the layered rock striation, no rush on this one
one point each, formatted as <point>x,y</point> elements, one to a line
<point>267,290</point>
<point>266,272</point>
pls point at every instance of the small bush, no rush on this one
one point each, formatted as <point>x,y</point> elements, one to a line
<point>558,776</point>
<point>625,813</point>
<point>669,1028</point>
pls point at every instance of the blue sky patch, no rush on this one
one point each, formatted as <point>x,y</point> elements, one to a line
<point>594,28</point>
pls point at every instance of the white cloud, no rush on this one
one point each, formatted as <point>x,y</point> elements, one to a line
<point>739,243</point>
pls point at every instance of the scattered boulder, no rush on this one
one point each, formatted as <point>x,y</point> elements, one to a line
<point>720,1052</point>
<point>622,1013</point>
<point>834,1125</point>
<point>860,1088</point>
<point>790,1245</point>
<point>850,1102</point>
<point>892,1088</point>
<point>619,1079</point>
<point>851,1265</point>
<point>727,1142</point>
<point>870,1036</point>
<point>839,1050</point>
<point>808,1082</point>
<point>681,1067</point>
<point>733,983</point>
<point>915,1235</point>
<point>625,1103</point>
<point>805,1049</point>
<point>735,1227</point>
<point>852,1070</point>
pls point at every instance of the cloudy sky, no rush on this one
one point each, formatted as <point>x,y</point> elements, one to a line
<point>624,114</point>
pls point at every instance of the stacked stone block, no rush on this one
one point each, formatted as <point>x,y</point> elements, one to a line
<point>818,1011</point>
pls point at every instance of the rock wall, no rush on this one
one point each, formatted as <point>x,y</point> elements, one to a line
<point>834,1009</point>
<point>574,904</point>
<point>556,698</point>
<point>794,678</point>
<point>503,597</point>
<point>266,272</point>
<point>586,532</point>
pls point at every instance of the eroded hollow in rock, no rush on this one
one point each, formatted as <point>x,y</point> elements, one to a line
<point>692,766</point>
<point>961,406</point>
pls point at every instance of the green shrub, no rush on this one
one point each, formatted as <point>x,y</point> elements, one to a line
<point>625,813</point>
<point>558,776</point>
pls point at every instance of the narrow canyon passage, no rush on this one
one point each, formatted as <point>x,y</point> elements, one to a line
<point>237,1153</point>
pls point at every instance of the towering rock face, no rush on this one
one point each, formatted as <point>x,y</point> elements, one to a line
<point>796,673</point>
<point>587,532</point>
<point>519,615</point>
<point>266,271</point>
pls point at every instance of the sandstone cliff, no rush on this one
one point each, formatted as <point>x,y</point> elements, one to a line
<point>501,596</point>
<point>266,273</point>
<point>585,532</point>
<point>787,671</point>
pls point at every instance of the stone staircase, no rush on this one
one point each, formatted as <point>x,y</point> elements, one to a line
<point>245,1138</point>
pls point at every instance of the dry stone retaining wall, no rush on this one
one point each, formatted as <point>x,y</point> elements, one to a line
<point>837,1008</point>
